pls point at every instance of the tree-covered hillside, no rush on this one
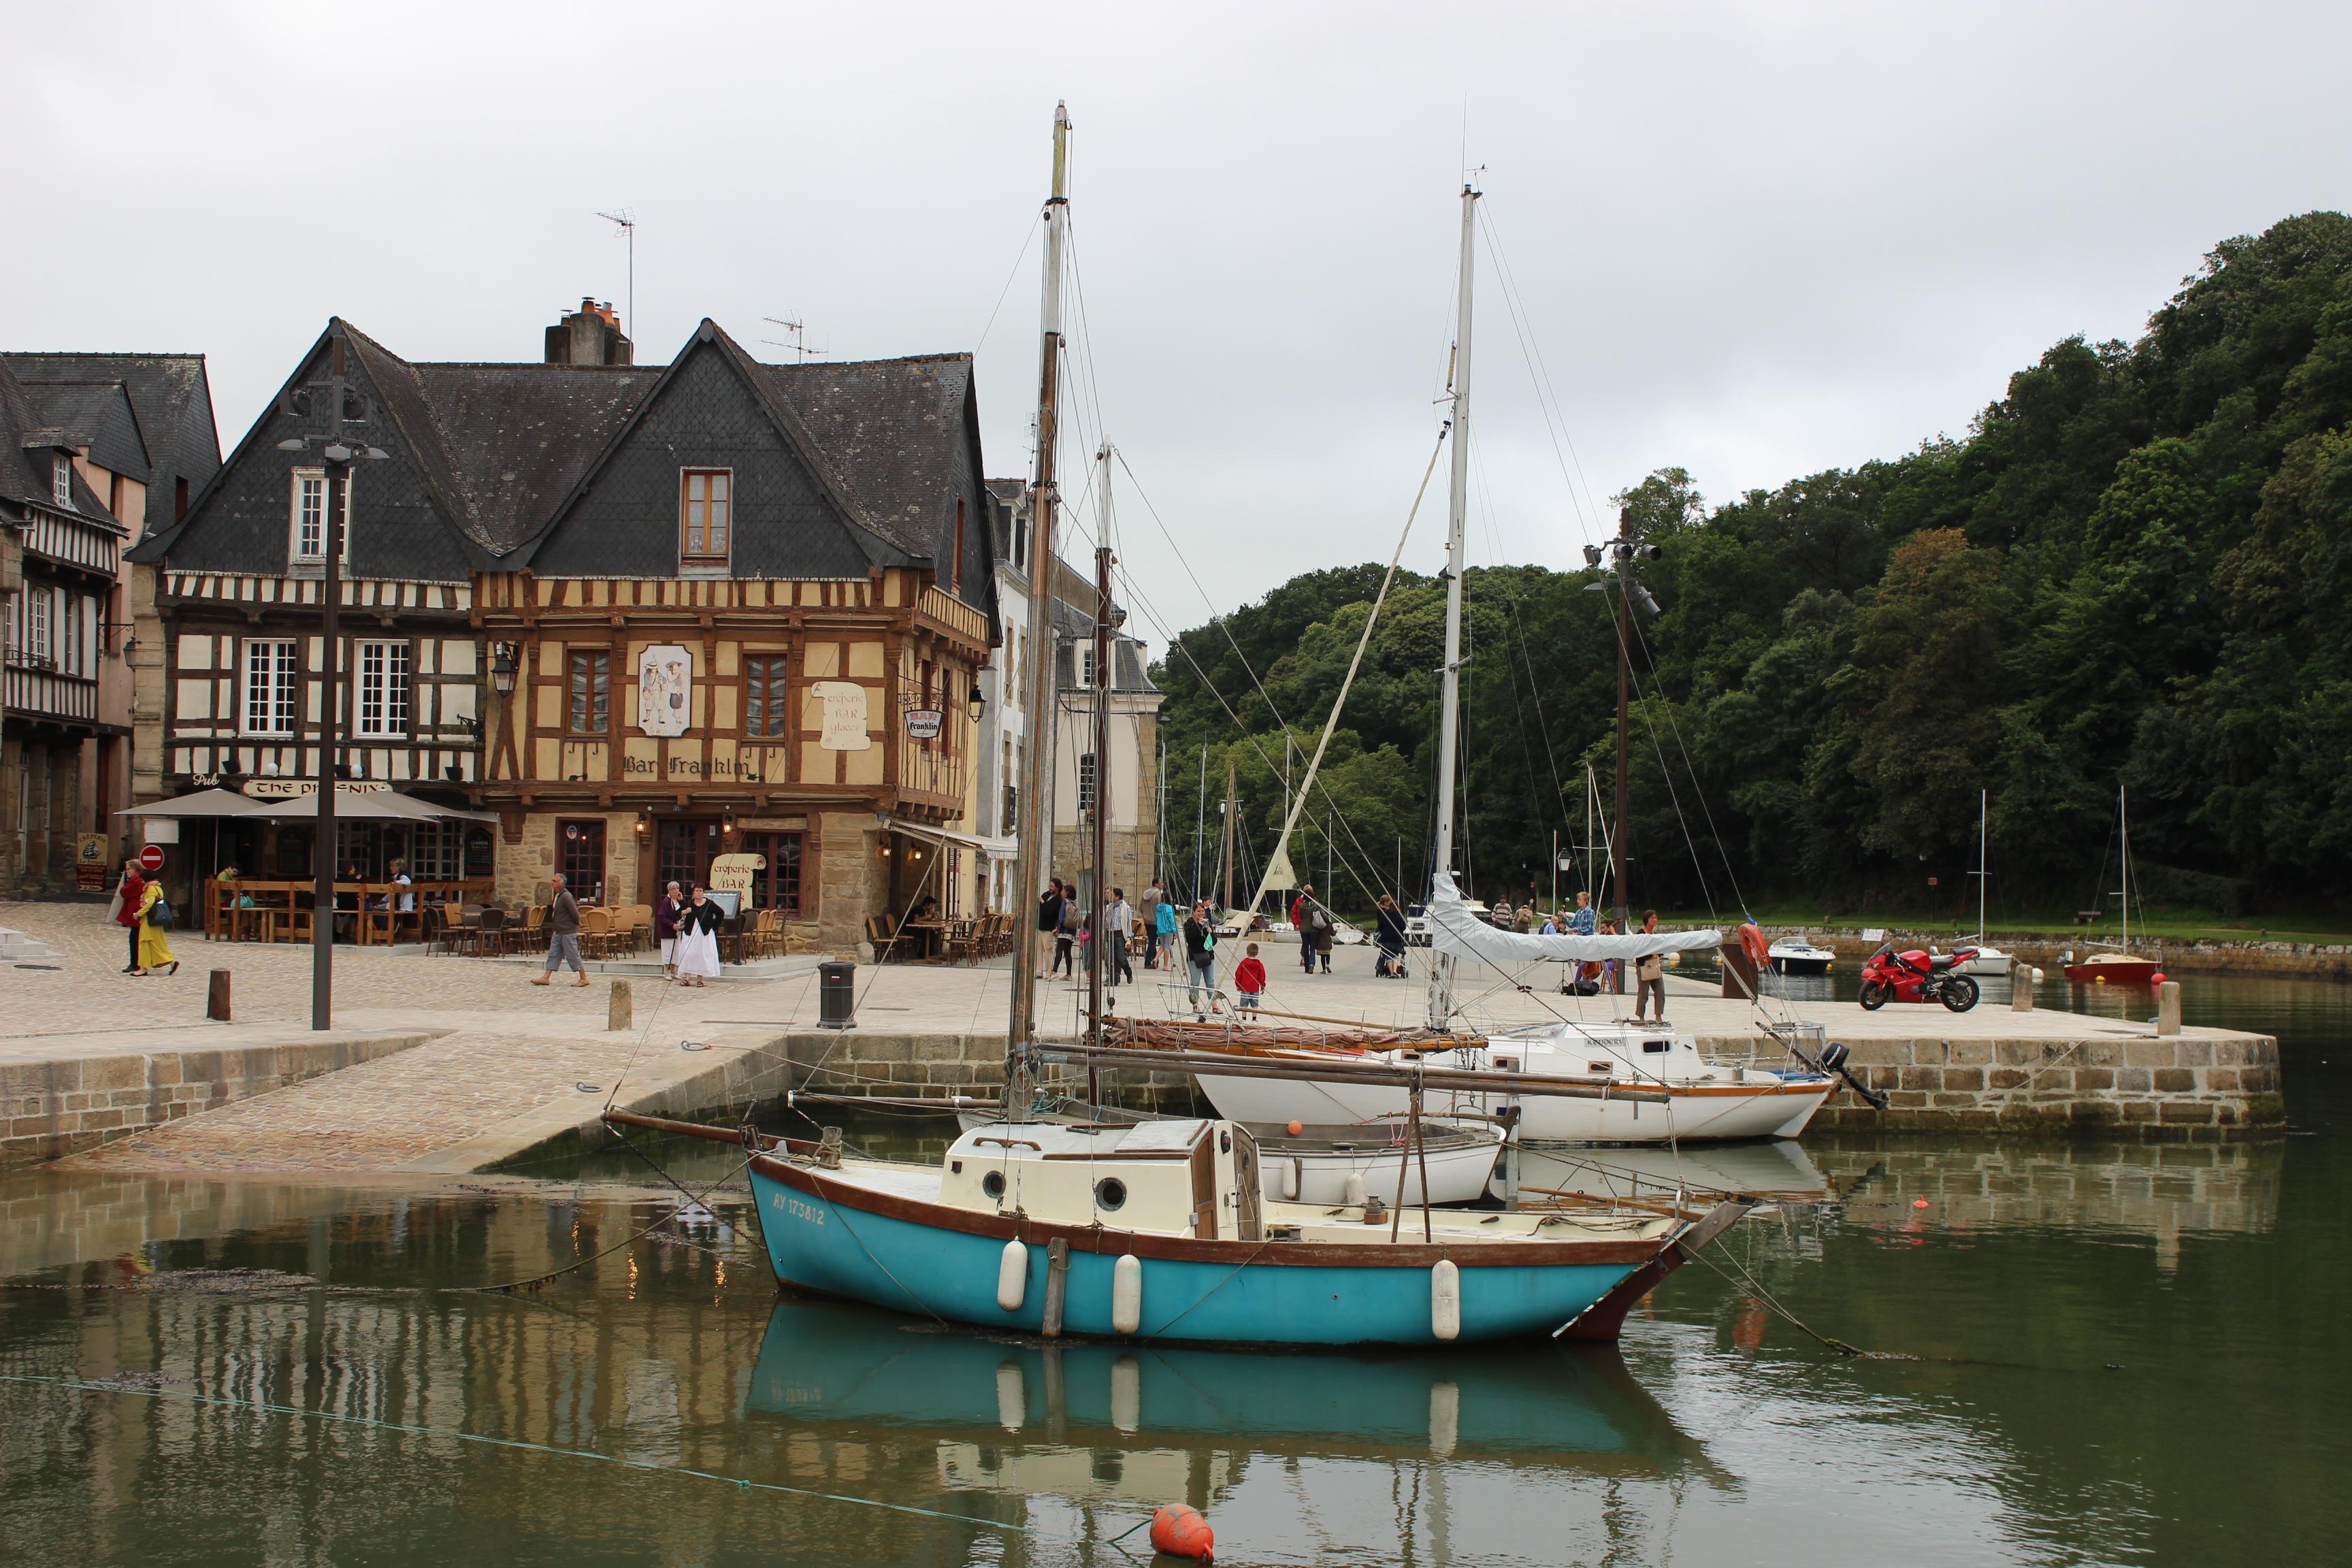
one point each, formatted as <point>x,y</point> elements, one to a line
<point>2135,567</point>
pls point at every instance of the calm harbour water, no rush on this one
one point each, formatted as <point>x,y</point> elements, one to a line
<point>2125,1353</point>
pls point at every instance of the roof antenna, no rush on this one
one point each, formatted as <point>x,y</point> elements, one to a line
<point>799,344</point>
<point>629,231</point>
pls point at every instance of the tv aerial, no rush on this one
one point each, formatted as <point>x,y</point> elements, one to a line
<point>798,344</point>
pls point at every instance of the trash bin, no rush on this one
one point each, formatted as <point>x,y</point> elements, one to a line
<point>836,994</point>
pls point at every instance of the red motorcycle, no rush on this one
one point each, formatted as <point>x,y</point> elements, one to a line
<point>1916,976</point>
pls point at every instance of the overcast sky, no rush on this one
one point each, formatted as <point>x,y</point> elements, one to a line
<point>1755,240</point>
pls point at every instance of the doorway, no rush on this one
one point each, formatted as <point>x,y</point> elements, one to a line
<point>683,850</point>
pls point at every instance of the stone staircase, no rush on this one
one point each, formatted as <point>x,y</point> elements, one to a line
<point>16,947</point>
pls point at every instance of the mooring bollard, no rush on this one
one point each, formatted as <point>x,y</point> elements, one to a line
<point>2021,977</point>
<point>623,1011</point>
<point>216,997</point>
<point>2167,1007</point>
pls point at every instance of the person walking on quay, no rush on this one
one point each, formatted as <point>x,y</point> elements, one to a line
<point>563,934</point>
<point>1146,909</point>
<point>126,894</point>
<point>1163,929</point>
<point>1326,930</point>
<point>1650,973</point>
<point>1303,911</point>
<point>1119,925</point>
<point>1049,917</point>
<point>1391,939</point>
<point>155,932</point>
<point>666,913</point>
<point>697,940</point>
<point>1200,960</point>
<point>1066,934</point>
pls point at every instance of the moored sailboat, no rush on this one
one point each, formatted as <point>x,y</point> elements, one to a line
<point>2119,965</point>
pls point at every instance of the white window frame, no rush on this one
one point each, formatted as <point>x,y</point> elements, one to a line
<point>279,686</point>
<point>77,616</point>
<point>294,517</point>
<point>1089,782</point>
<point>61,482</point>
<point>382,676</point>
<point>39,649</point>
<point>1086,662</point>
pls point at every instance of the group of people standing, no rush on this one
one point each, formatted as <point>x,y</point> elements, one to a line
<point>1593,976</point>
<point>145,915</point>
<point>685,925</point>
<point>1061,916</point>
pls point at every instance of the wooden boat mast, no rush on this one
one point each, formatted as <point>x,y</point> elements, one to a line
<point>1102,684</point>
<point>1032,861</point>
<point>1449,710</point>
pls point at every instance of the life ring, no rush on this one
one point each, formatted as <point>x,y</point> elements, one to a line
<point>1752,943</point>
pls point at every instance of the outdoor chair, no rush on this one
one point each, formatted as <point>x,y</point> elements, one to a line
<point>888,945</point>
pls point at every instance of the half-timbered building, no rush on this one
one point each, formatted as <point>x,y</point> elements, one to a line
<point>95,448</point>
<point>645,616</point>
<point>754,628</point>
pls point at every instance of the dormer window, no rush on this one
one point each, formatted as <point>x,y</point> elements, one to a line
<point>308,519</point>
<point>706,515</point>
<point>61,480</point>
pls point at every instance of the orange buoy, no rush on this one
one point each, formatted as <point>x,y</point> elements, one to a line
<point>2157,978</point>
<point>1295,1128</point>
<point>1181,1532</point>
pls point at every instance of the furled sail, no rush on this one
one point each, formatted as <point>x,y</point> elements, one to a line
<point>1453,928</point>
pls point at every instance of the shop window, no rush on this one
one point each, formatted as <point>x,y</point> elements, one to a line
<point>778,887</point>
<point>293,853</point>
<point>580,855</point>
<point>481,858</point>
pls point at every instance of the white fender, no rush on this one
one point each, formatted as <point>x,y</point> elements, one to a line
<point>1445,1299</point>
<point>1012,1277</point>
<point>1127,1294</point>
<point>1290,1179</point>
<point>1354,1196</point>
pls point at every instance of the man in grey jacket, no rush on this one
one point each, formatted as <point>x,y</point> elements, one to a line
<point>563,934</point>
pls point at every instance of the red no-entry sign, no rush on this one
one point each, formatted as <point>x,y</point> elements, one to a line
<point>151,859</point>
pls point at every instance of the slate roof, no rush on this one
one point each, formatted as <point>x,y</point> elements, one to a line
<point>500,452</point>
<point>98,412</point>
<point>171,399</point>
<point>1125,654</point>
<point>892,429</point>
<point>25,474</point>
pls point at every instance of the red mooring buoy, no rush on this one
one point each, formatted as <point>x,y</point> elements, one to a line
<point>1181,1532</point>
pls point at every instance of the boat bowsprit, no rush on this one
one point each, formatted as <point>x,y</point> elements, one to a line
<point>1161,1231</point>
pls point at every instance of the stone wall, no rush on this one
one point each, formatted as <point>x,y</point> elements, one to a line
<point>940,1067</point>
<point>2175,1087</point>
<point>51,1108</point>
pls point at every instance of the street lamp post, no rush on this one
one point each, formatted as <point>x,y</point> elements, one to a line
<point>338,450</point>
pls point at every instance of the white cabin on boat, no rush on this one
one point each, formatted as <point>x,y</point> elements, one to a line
<point>1192,1178</point>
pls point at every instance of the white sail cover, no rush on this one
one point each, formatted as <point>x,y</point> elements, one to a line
<point>1453,928</point>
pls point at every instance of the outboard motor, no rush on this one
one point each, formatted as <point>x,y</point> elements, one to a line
<point>1834,1059</point>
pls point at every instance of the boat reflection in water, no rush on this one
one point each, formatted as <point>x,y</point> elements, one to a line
<point>1154,1425</point>
<point>1776,1171</point>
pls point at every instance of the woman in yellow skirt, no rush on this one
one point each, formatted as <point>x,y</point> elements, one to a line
<point>154,940</point>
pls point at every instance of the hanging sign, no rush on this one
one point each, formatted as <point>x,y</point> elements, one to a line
<point>923,723</point>
<point>665,688</point>
<point>295,789</point>
<point>844,715</point>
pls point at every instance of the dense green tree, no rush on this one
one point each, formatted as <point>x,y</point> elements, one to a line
<point>2135,566</point>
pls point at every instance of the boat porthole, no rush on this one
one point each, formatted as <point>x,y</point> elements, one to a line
<point>992,1184</point>
<point>1225,1142</point>
<point>1110,1192</point>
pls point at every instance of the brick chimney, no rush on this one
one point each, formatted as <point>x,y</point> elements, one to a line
<point>590,335</point>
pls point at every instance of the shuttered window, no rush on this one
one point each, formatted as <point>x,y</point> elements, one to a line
<point>763,695</point>
<point>591,680</point>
